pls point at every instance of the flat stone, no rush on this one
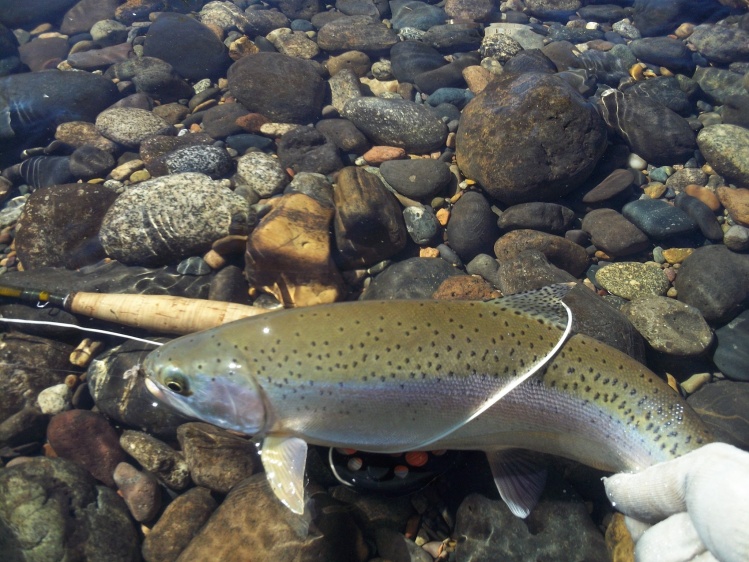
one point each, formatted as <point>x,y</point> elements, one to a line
<point>546,217</point>
<point>723,405</point>
<point>736,202</point>
<point>732,352</point>
<point>726,148</point>
<point>129,126</point>
<point>720,44</point>
<point>701,214</point>
<point>669,326</point>
<point>559,251</point>
<point>631,280</point>
<point>616,183</point>
<point>614,234</point>
<point>410,279</point>
<point>658,219</point>
<point>356,33</point>
<point>472,229</point>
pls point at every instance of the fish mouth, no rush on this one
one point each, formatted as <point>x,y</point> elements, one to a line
<point>154,389</point>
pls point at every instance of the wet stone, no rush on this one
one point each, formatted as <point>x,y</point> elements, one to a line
<point>344,135</point>
<point>726,148</point>
<point>411,58</point>
<point>680,179</point>
<point>723,405</point>
<point>616,183</point>
<point>614,234</point>
<point>212,161</point>
<point>732,352</point>
<point>45,171</point>
<point>140,490</point>
<point>701,214</point>
<point>472,228</point>
<point>87,439</point>
<point>559,251</point>
<point>223,120</point>
<point>305,149</point>
<point>685,333</point>
<point>157,457</point>
<point>652,17</point>
<point>718,84</point>
<point>446,76</point>
<point>55,511</point>
<point>736,203</point>
<point>415,14</point>
<point>630,280</point>
<point>720,44</point>
<point>90,162</point>
<point>658,219</point>
<point>356,33</point>
<point>262,173</point>
<point>129,126</point>
<point>666,90</point>
<point>410,279</point>
<point>419,179</point>
<point>664,51</point>
<point>465,287</point>
<point>736,238</point>
<point>421,224</point>
<point>55,399</point>
<point>546,217</point>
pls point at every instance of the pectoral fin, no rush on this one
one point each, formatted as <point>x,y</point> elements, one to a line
<point>519,480</point>
<point>284,459</point>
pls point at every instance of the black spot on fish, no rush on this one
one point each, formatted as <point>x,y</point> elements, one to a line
<point>633,392</point>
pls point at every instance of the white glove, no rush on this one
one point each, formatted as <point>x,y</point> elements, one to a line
<point>693,508</point>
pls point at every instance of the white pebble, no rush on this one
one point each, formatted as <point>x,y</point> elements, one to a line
<point>55,399</point>
<point>636,163</point>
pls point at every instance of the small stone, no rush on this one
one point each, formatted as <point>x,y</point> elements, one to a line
<point>217,459</point>
<point>472,229</point>
<point>379,154</point>
<point>614,234</point>
<point>157,457</point>
<point>262,173</point>
<point>736,202</point>
<point>420,179</point>
<point>421,224</point>
<point>705,195</point>
<point>684,334</point>
<point>465,287</point>
<point>616,183</point>
<point>410,278</point>
<point>658,219</point>
<point>677,255</point>
<point>55,399</point>
<point>559,251</point>
<point>726,149</point>
<point>654,190</point>
<point>212,161</point>
<point>140,490</point>
<point>702,215</point>
<point>732,352</point>
<point>129,126</point>
<point>546,217</point>
<point>630,280</point>
<point>723,405</point>
<point>736,238</point>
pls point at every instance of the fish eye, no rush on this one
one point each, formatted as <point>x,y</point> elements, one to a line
<point>177,383</point>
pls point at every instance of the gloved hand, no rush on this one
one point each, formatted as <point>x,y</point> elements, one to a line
<point>693,508</point>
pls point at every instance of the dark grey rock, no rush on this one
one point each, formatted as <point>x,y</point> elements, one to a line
<point>558,10</point>
<point>212,161</point>
<point>735,110</point>
<point>732,352</point>
<point>20,14</point>
<point>651,130</point>
<point>614,234</point>
<point>421,223</point>
<point>262,22</point>
<point>446,76</point>
<point>720,44</point>
<point>419,179</point>
<point>546,217</point>
<point>485,266</point>
<point>453,38</point>
<point>394,122</point>
<point>306,149</point>
<point>55,511</point>
<point>344,135</point>
<point>716,281</point>
<point>559,251</point>
<point>163,220</point>
<point>723,405</point>
<point>472,228</point>
<point>609,67</point>
<point>412,13</point>
<point>190,47</point>
<point>88,162</point>
<point>658,219</point>
<point>545,142</point>
<point>220,121</point>
<point>153,76</point>
<point>654,17</point>
<point>530,60</point>
<point>619,182</point>
<point>701,214</point>
<point>280,87</point>
<point>414,278</point>
<point>45,171</point>
<point>603,13</point>
<point>666,90</point>
<point>664,51</point>
<point>718,84</point>
<point>411,58</point>
<point>559,32</point>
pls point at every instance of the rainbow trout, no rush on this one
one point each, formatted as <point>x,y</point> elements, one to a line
<point>394,376</point>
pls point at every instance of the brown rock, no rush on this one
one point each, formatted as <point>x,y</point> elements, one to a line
<point>705,195</point>
<point>368,222</point>
<point>470,10</point>
<point>78,133</point>
<point>614,234</point>
<point>87,439</point>
<point>617,182</point>
<point>736,202</point>
<point>559,251</point>
<point>157,457</point>
<point>180,522</point>
<point>289,255</point>
<point>618,540</point>
<point>379,154</point>
<point>251,122</point>
<point>217,459</point>
<point>477,77</point>
<point>465,287</point>
<point>140,490</point>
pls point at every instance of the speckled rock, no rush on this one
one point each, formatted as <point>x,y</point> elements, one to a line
<point>523,153</point>
<point>736,238</point>
<point>157,457</point>
<point>262,173</point>
<point>726,148</point>
<point>472,228</point>
<point>394,122</point>
<point>559,251</point>
<point>280,87</point>
<point>52,510</point>
<point>732,352</point>
<point>720,44</point>
<point>546,217</point>
<point>669,326</point>
<point>212,161</point>
<point>421,224</point>
<point>356,33</point>
<point>612,233</point>
<point>129,126</point>
<point>630,280</point>
<point>368,223</point>
<point>162,220</point>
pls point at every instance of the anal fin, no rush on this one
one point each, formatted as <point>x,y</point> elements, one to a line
<point>519,479</point>
<point>284,459</point>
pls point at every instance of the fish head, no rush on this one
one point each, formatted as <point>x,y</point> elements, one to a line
<point>220,391</point>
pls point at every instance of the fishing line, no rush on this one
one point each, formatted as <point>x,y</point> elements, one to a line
<point>81,328</point>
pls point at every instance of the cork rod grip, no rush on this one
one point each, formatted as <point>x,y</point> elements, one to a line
<point>159,313</point>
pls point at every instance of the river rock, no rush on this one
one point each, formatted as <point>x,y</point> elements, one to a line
<point>280,87</point>
<point>618,182</point>
<point>397,122</point>
<point>262,173</point>
<point>87,439</point>
<point>651,130</point>
<point>85,13</point>
<point>631,280</point>
<point>153,76</point>
<point>305,149</point>
<point>157,457</point>
<point>653,17</point>
<point>669,326</point>
<point>446,76</point>
<point>180,522</point>
<point>420,178</point>
<point>614,234</point>
<point>559,251</point>
<point>658,219</point>
<point>412,278</point>
<point>48,238</point>
<point>472,228</point>
<point>722,405</point>
<point>356,33</point>
<point>666,90</point>
<point>726,148</point>
<point>368,221</point>
<point>129,126</point>
<point>700,283</point>
<point>521,153</point>
<point>189,46</point>
<point>546,217</point>
<point>411,58</point>
<point>140,490</point>
<point>720,44</point>
<point>163,220</point>
<point>53,510</point>
<point>421,223</point>
<point>344,135</point>
<point>289,253</point>
<point>718,84</point>
<point>15,14</point>
<point>213,161</point>
<point>664,51</point>
<point>701,214</point>
<point>732,352</point>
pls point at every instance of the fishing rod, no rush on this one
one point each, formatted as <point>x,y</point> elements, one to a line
<point>159,313</point>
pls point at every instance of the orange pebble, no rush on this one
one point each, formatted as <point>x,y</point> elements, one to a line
<point>344,451</point>
<point>401,471</point>
<point>417,458</point>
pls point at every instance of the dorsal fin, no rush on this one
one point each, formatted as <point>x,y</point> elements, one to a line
<point>544,303</point>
